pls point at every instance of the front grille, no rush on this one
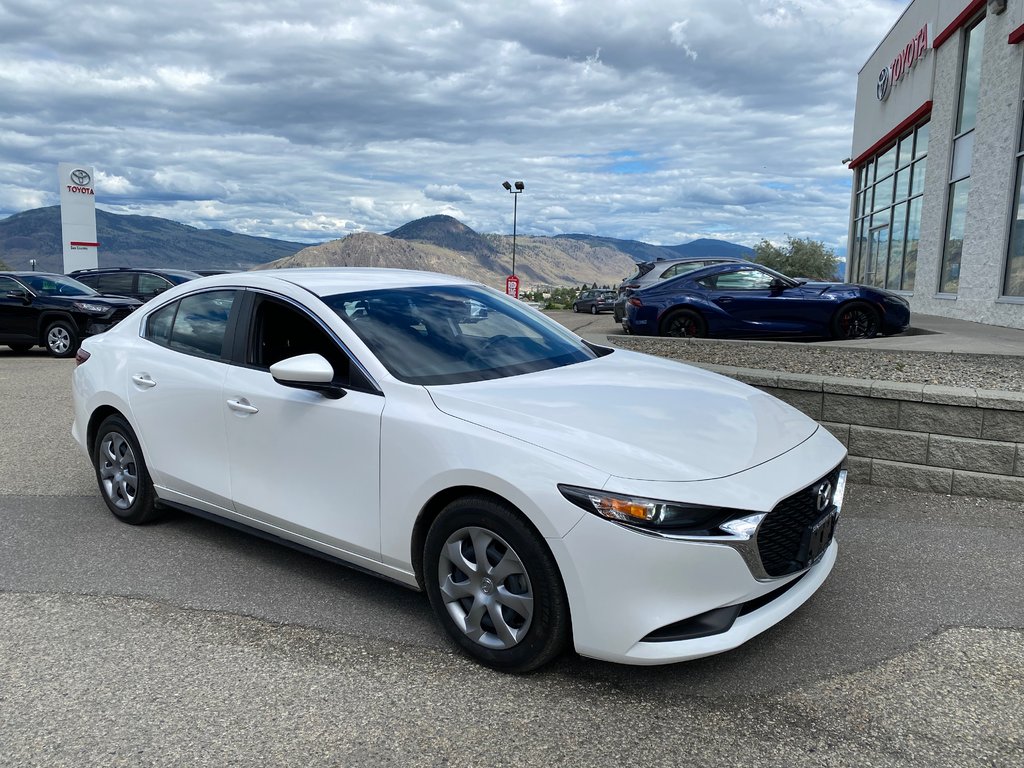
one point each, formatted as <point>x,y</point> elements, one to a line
<point>780,537</point>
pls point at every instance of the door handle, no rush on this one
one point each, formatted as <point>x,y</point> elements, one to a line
<point>242,405</point>
<point>143,380</point>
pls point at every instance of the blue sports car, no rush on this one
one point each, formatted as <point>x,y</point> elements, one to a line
<point>748,300</point>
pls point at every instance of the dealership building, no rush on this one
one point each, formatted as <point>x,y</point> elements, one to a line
<point>937,209</point>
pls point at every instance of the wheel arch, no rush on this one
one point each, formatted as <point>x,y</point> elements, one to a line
<point>47,317</point>
<point>676,308</point>
<point>95,419</point>
<point>436,504</point>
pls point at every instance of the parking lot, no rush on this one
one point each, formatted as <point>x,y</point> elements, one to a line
<point>190,643</point>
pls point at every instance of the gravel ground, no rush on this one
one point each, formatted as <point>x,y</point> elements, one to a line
<point>989,372</point>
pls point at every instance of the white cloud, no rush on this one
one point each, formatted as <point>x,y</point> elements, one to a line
<point>652,120</point>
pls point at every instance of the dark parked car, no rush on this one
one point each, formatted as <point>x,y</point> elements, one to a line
<point>748,300</point>
<point>594,301</point>
<point>139,283</point>
<point>648,273</point>
<point>38,308</point>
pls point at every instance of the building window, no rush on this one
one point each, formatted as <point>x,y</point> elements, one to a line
<point>963,149</point>
<point>1013,281</point>
<point>887,213</point>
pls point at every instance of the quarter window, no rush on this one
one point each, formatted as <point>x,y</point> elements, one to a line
<point>195,325</point>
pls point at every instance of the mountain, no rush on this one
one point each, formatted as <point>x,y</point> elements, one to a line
<point>426,244</point>
<point>639,251</point>
<point>137,241</point>
<point>434,243</point>
<point>708,247</point>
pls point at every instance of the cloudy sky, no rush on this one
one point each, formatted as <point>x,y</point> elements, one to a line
<point>308,120</point>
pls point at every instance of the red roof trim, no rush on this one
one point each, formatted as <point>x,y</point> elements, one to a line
<point>892,135</point>
<point>1016,36</point>
<point>958,22</point>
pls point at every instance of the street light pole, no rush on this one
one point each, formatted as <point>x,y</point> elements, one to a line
<point>519,187</point>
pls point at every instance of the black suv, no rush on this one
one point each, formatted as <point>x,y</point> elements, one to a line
<point>138,282</point>
<point>38,308</point>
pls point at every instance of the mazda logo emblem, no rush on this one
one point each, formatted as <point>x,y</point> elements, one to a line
<point>884,84</point>
<point>81,178</point>
<point>823,495</point>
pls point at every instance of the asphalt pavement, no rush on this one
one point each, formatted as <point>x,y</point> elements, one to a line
<point>188,643</point>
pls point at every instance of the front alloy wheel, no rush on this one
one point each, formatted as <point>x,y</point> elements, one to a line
<point>855,321</point>
<point>494,585</point>
<point>61,339</point>
<point>485,588</point>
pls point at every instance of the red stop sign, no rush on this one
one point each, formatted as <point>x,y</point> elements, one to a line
<point>512,286</point>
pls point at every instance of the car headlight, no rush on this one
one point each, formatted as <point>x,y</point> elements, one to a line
<point>93,309</point>
<point>648,513</point>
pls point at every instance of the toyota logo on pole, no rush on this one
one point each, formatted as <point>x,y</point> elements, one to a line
<point>80,178</point>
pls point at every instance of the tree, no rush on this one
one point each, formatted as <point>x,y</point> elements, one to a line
<point>801,257</point>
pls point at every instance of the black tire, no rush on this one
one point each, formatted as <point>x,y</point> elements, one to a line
<point>121,473</point>
<point>61,338</point>
<point>593,309</point>
<point>21,348</point>
<point>575,307</point>
<point>684,323</point>
<point>525,636</point>
<point>856,320</point>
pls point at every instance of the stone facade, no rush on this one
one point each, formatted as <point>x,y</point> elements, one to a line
<point>964,442</point>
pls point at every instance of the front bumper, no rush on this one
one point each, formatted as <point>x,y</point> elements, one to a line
<point>639,597</point>
<point>637,585</point>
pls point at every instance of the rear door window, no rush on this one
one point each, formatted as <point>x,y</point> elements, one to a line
<point>119,284</point>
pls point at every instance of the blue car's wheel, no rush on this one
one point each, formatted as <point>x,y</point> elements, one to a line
<point>684,323</point>
<point>855,320</point>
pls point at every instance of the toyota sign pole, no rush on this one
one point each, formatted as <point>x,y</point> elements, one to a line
<point>512,282</point>
<point>78,216</point>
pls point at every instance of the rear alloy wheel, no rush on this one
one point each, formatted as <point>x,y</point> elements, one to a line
<point>494,586</point>
<point>575,307</point>
<point>593,309</point>
<point>121,473</point>
<point>61,339</point>
<point>855,320</point>
<point>684,323</point>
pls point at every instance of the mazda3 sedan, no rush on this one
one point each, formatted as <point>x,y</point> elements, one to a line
<point>542,491</point>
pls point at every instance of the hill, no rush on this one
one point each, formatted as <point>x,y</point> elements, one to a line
<point>138,241</point>
<point>433,243</point>
<point>425,245</point>
<point>640,251</point>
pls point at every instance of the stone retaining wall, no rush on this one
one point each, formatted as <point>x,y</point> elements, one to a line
<point>964,442</point>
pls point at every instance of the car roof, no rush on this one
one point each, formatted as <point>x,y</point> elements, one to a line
<point>155,270</point>
<point>684,259</point>
<point>326,281</point>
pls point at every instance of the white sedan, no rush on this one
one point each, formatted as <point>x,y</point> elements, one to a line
<point>541,489</point>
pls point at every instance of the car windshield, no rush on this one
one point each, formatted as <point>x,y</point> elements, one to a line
<point>56,285</point>
<point>455,334</point>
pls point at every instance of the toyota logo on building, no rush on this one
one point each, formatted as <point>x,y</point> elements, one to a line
<point>80,178</point>
<point>884,84</point>
<point>823,495</point>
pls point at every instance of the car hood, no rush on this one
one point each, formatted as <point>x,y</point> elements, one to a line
<point>635,416</point>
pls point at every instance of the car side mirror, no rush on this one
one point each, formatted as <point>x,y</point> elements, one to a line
<point>777,286</point>
<point>311,372</point>
<point>23,295</point>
